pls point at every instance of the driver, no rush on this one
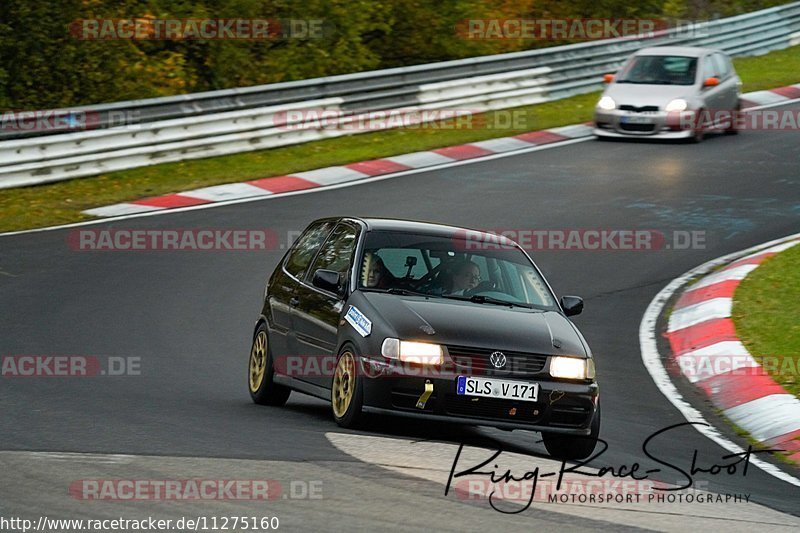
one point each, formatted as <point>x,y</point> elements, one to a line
<point>466,276</point>
<point>375,273</point>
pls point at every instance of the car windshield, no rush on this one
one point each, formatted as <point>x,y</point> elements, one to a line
<point>451,267</point>
<point>660,70</point>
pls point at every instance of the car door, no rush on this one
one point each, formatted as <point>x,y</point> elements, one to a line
<point>729,82</point>
<point>282,290</point>
<point>713,97</point>
<point>316,316</point>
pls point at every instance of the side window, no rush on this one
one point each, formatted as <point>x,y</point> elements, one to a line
<point>709,68</point>
<point>719,66</point>
<point>306,247</point>
<point>337,252</point>
<point>726,60</point>
<point>727,67</point>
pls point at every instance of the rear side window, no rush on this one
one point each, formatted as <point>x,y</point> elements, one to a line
<point>306,248</point>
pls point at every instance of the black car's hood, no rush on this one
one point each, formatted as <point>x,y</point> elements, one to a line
<point>463,323</point>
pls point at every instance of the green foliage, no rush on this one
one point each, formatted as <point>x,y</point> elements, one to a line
<point>43,66</point>
<point>766,314</point>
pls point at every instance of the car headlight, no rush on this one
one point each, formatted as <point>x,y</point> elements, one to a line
<point>679,104</point>
<point>607,103</point>
<point>412,352</point>
<point>572,368</point>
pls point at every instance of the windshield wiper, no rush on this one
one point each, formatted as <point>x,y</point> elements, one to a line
<point>481,299</point>
<point>407,292</point>
<point>399,291</point>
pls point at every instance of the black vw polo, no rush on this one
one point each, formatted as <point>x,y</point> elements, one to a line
<point>425,320</point>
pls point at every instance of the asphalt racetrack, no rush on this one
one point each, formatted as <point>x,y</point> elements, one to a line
<point>189,317</point>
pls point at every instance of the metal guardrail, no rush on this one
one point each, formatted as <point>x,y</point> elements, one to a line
<point>253,118</point>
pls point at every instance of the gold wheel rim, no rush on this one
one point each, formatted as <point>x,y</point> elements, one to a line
<point>258,361</point>
<point>344,380</point>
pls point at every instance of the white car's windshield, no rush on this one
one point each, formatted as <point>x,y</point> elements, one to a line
<point>660,70</point>
<point>451,267</point>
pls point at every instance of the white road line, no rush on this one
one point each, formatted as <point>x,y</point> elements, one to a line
<point>780,248</point>
<point>653,364</point>
<point>110,458</point>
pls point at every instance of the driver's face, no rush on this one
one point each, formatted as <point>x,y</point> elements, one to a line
<point>467,279</point>
<point>374,275</point>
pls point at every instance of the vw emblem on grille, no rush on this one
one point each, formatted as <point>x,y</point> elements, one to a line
<point>498,359</point>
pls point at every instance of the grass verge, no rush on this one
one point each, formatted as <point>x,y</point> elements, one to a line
<point>62,202</point>
<point>766,314</point>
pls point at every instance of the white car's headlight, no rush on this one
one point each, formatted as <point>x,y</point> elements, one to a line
<point>679,104</point>
<point>412,352</point>
<point>572,368</point>
<point>607,103</point>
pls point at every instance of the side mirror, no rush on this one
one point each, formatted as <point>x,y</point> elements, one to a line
<point>711,82</point>
<point>572,305</point>
<point>327,280</point>
<point>608,78</point>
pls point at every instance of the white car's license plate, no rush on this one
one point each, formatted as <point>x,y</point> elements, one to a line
<point>497,388</point>
<point>634,119</point>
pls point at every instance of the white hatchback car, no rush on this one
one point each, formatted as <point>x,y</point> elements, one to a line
<point>670,92</point>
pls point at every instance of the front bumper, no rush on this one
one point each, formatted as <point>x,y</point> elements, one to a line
<point>652,125</point>
<point>562,407</point>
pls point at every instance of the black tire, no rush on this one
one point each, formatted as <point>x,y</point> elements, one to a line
<point>569,447</point>
<point>699,132</point>
<point>264,391</point>
<point>347,380</point>
<point>733,128</point>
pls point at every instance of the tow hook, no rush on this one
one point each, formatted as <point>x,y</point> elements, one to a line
<point>425,395</point>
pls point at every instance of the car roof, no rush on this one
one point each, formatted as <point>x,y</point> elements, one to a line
<point>687,51</point>
<point>423,228</point>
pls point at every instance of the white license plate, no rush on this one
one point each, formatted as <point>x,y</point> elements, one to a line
<point>497,388</point>
<point>633,119</point>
